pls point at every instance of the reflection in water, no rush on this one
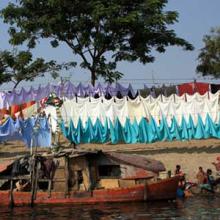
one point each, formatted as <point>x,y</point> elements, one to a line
<point>204,207</point>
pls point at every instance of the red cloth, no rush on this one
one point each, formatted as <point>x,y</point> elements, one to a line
<point>193,87</point>
<point>201,88</point>
<point>186,88</point>
<point>18,108</point>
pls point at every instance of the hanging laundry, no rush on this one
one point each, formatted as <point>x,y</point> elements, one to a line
<point>214,88</point>
<point>193,87</point>
<point>34,132</point>
<point>142,132</point>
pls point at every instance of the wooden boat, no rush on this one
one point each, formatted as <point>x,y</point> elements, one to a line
<point>88,177</point>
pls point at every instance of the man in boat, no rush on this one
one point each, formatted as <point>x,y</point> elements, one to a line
<point>21,185</point>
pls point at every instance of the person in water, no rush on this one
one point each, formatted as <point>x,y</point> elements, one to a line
<point>182,182</point>
<point>201,176</point>
<point>209,185</point>
<point>178,171</point>
<point>217,165</point>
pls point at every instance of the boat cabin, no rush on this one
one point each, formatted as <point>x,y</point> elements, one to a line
<point>81,171</point>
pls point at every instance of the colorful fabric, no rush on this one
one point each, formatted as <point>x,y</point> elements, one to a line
<point>140,107</point>
<point>142,132</point>
<point>193,87</point>
<point>66,89</point>
<point>33,131</point>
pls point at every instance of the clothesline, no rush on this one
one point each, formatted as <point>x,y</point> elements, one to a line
<point>68,90</point>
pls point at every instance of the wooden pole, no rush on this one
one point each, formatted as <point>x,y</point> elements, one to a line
<point>11,198</point>
<point>49,187</point>
<point>33,181</point>
<point>36,181</point>
<point>66,176</point>
<point>145,190</point>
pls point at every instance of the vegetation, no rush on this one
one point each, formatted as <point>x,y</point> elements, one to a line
<point>101,32</point>
<point>209,57</point>
<point>18,66</point>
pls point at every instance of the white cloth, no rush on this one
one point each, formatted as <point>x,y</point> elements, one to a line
<point>168,107</point>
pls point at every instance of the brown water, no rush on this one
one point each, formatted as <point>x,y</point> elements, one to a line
<point>203,207</point>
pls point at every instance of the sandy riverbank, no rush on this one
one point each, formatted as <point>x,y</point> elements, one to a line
<point>189,154</point>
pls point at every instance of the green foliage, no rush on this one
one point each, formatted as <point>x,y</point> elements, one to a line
<point>18,66</point>
<point>209,57</point>
<point>125,30</point>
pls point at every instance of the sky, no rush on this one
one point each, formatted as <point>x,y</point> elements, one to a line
<point>176,66</point>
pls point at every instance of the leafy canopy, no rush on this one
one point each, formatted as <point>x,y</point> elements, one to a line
<point>209,57</point>
<point>101,32</point>
<point>18,66</point>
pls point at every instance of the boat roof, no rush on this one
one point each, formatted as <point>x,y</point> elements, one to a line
<point>137,161</point>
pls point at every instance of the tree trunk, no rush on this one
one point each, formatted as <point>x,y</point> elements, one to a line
<point>93,78</point>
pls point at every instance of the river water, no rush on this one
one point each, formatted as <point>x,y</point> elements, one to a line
<point>198,207</point>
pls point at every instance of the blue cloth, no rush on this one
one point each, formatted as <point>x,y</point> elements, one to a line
<point>35,132</point>
<point>143,132</point>
<point>10,130</point>
<point>200,129</point>
<point>174,130</point>
<point>164,130</point>
<point>135,132</point>
<point>211,129</point>
<point>27,129</point>
<point>143,129</point>
<point>155,132</point>
<point>180,193</point>
<point>41,135</point>
<point>128,132</point>
<point>183,130</point>
<point>191,128</point>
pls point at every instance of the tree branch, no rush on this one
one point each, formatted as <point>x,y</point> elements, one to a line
<point>79,52</point>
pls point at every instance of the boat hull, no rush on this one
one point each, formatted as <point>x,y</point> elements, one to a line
<point>161,190</point>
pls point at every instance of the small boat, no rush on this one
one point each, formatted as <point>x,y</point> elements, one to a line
<point>84,177</point>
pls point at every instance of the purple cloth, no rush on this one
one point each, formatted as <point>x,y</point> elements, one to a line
<point>66,89</point>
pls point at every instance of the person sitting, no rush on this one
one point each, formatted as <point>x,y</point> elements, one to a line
<point>21,186</point>
<point>201,176</point>
<point>209,186</point>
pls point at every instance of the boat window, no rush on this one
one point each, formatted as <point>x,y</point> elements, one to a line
<point>109,171</point>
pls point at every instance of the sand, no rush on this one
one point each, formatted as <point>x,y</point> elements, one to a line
<point>189,154</point>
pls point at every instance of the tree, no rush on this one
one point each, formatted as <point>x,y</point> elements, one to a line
<point>209,57</point>
<point>18,66</point>
<point>101,32</point>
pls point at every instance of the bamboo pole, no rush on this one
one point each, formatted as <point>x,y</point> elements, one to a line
<point>66,176</point>
<point>33,181</point>
<point>11,198</point>
<point>145,190</point>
